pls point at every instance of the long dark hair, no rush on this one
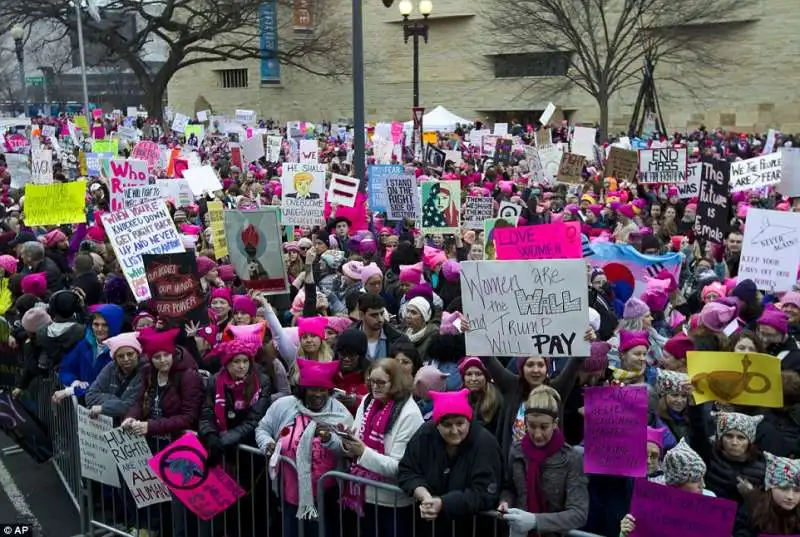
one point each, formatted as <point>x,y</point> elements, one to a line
<point>765,517</point>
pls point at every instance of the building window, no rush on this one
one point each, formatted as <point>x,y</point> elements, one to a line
<point>531,64</point>
<point>232,78</point>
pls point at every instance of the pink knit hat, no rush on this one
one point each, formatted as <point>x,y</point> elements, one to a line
<point>656,436</point>
<point>205,265</point>
<point>597,362</point>
<point>35,284</point>
<point>52,238</point>
<point>230,349</point>
<point>432,257</point>
<point>448,320</point>
<point>716,288</point>
<point>339,324</point>
<point>411,273</point>
<point>450,404</point>
<point>352,269</point>
<point>153,341</point>
<point>656,300</point>
<point>368,271</point>
<point>629,340</point>
<point>127,339</point>
<point>9,264</point>
<point>227,273</point>
<point>96,234</point>
<point>429,378</point>
<point>244,304</point>
<point>451,270</point>
<point>315,374</point>
<point>473,361</point>
<point>312,325</point>
<point>221,292</point>
<point>249,333</point>
<point>792,297</point>
<point>774,318</point>
<point>716,316</point>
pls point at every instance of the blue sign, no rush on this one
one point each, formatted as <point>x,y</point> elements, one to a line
<point>268,33</point>
<point>378,175</point>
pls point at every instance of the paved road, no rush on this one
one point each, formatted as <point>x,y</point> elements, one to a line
<point>33,494</point>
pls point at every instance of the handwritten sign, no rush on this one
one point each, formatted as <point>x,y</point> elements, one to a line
<point>175,287</point>
<point>180,122</point>
<point>545,241</point>
<point>245,116</point>
<point>570,168</point>
<point>756,172</point>
<point>148,152</point>
<point>309,152</point>
<point>131,453</point>
<point>41,166</point>
<point>509,210</point>
<point>176,191</point>
<point>666,511</point>
<point>712,212</point>
<point>97,463</point>
<point>19,170</point>
<point>303,198</point>
<point>55,204</point>
<point>216,217</point>
<point>143,229</point>
<point>106,146</point>
<point>520,308</point>
<point>274,148</point>
<point>402,197</point>
<point>615,441</point>
<point>770,252</point>
<point>622,163</point>
<point>202,180</point>
<point>476,210</point>
<point>183,466</point>
<point>691,188</point>
<point>665,165</point>
<point>125,174</point>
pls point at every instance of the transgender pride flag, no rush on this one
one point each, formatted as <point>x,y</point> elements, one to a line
<point>627,270</point>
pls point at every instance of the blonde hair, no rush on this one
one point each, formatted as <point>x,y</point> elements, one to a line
<point>544,398</point>
<point>490,402</point>
<point>324,354</point>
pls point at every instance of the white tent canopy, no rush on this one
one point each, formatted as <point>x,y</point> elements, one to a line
<point>439,119</point>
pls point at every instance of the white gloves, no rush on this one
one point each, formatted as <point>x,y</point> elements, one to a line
<point>520,522</point>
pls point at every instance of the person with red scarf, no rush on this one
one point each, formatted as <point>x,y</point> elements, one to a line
<point>546,490</point>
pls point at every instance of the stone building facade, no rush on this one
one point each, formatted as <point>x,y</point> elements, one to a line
<point>461,70</point>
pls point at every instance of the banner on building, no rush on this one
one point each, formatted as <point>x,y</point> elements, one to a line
<point>268,35</point>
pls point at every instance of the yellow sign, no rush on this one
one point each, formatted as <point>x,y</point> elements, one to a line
<point>106,146</point>
<point>430,137</point>
<point>82,162</point>
<point>55,204</point>
<point>735,377</point>
<point>216,217</point>
<point>81,123</point>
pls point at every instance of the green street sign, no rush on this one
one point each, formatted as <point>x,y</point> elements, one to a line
<point>34,80</point>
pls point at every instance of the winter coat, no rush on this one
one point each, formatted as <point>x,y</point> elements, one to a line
<point>779,433</point>
<point>6,299</point>
<point>180,400</point>
<point>56,340</point>
<point>113,391</point>
<point>55,279</point>
<point>564,485</point>
<point>468,483</point>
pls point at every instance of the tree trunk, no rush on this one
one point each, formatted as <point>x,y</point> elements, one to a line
<point>602,102</point>
<point>153,101</point>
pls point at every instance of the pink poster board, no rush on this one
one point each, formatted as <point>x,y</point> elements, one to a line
<point>615,425</point>
<point>147,151</point>
<point>182,467</point>
<point>546,241</point>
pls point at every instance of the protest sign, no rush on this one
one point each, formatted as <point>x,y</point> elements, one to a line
<point>379,177</point>
<point>202,180</point>
<point>343,190</point>
<point>180,122</point>
<point>24,428</point>
<point>402,197</point>
<point>476,210</point>
<point>254,245</point>
<point>570,168</point>
<point>770,253</point>
<point>622,164</point>
<point>41,166</point>
<point>175,287</point>
<point>273,148</point>
<point>202,115</point>
<point>183,467</point>
<point>136,195</point>
<point>19,170</point>
<point>148,152</point>
<point>583,142</point>
<point>253,148</point>
<point>500,129</point>
<point>509,210</point>
<point>747,379</point>
<point>756,172</point>
<point>523,308</point>
<point>106,146</point>
<point>544,119</point>
<point>55,204</point>
<point>790,171</point>
<point>535,167</point>
<point>81,123</point>
<point>248,117</point>
<point>441,210</point>
<point>476,136</point>
<point>125,174</point>
<point>303,198</point>
<point>712,212</point>
<point>489,225</point>
<point>131,453</point>
<point>546,241</point>
<point>216,219</point>
<point>434,157</point>
<point>309,152</point>
<point>665,165</point>
<point>127,133</point>
<point>502,150</point>
<point>662,511</point>
<point>48,131</point>
<point>97,463</point>
<point>455,157</point>
<point>176,191</point>
<point>691,187</point>
<point>615,424</point>
<point>143,229</point>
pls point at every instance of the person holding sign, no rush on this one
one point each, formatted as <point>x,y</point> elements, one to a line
<point>773,511</point>
<point>547,490</point>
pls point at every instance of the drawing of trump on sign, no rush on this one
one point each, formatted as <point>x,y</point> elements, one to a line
<point>303,181</point>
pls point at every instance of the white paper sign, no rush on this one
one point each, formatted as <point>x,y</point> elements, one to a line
<point>544,119</point>
<point>666,165</point>
<point>131,111</point>
<point>343,190</point>
<point>303,194</point>
<point>790,171</point>
<point>691,188</point>
<point>131,453</point>
<point>476,136</point>
<point>769,145</point>
<point>252,148</point>
<point>274,148</point>
<point>535,169</point>
<point>247,117</point>
<point>509,210</point>
<point>403,198</point>
<point>583,142</point>
<point>19,170</point>
<point>48,131</point>
<point>756,172</point>
<point>309,152</point>
<point>97,463</point>
<point>500,129</point>
<point>179,123</point>
<point>41,166</point>
<point>202,116</point>
<point>202,180</point>
<point>176,191</point>
<point>550,157</point>
<point>771,249</point>
<point>524,308</point>
<point>476,210</point>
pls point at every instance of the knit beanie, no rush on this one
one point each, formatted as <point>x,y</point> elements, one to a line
<point>656,436</point>
<point>451,404</point>
<point>223,293</point>
<point>227,273</point>
<point>473,361</point>
<point>631,339</point>
<point>153,341</point>
<point>716,316</point>
<point>655,300</point>
<point>244,304</point>
<point>34,319</point>
<point>313,374</point>
<point>368,271</point>
<point>713,288</point>
<point>670,382</point>
<point>312,325</point>
<point>597,362</point>
<point>745,291</point>
<point>205,265</point>
<point>127,339</point>
<point>9,264</point>
<point>683,465</point>
<point>352,341</point>
<point>734,421</point>
<point>64,304</point>
<point>34,284</point>
<point>411,273</point>
<point>679,345</point>
<point>429,378</point>
<point>781,473</point>
<point>451,270</point>
<point>635,308</point>
<point>771,317</point>
<point>422,306</point>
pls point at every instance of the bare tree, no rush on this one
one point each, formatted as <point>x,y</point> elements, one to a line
<point>605,42</point>
<point>191,32</point>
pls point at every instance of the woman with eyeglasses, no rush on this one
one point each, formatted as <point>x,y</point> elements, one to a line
<point>351,354</point>
<point>386,420</point>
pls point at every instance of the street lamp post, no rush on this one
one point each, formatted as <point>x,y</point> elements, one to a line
<point>415,29</point>
<point>17,33</point>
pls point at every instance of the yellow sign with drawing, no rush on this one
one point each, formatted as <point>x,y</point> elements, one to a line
<point>735,377</point>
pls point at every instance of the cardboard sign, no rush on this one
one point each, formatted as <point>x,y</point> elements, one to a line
<point>771,249</point>
<point>736,377</point>
<point>131,454</point>
<point>343,190</point>
<point>756,172</point>
<point>216,218</point>
<point>253,148</point>
<point>303,195</point>
<point>570,168</point>
<point>476,210</point>
<point>24,428</point>
<point>546,241</point>
<point>19,170</point>
<point>583,141</point>
<point>622,164</point>
<point>659,510</point>
<point>309,152</point>
<point>666,165</point>
<point>143,229</point>
<point>175,287</point>
<point>202,180</point>
<point>615,423</point>
<point>523,308</point>
<point>255,249</point>
<point>55,204</point>
<point>97,463</point>
<point>41,166</point>
<point>124,174</point>
<point>148,152</point>
<point>509,210</point>
<point>183,466</point>
<point>712,212</point>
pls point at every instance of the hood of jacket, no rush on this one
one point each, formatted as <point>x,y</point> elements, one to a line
<point>113,315</point>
